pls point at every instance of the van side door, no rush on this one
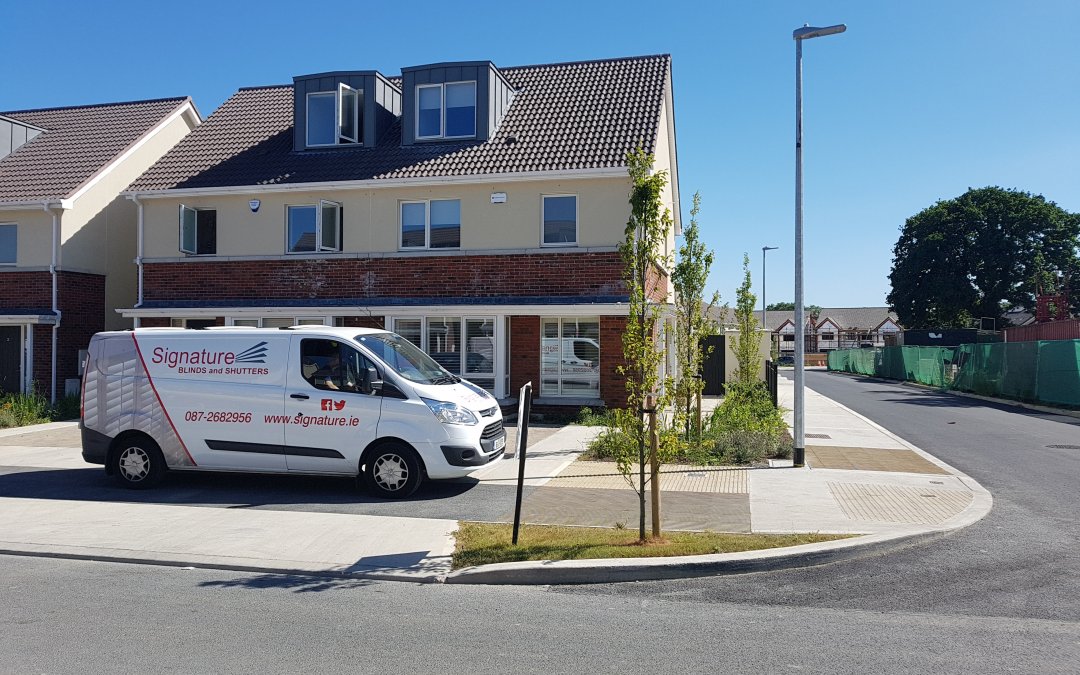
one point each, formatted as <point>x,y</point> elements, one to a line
<point>333,410</point>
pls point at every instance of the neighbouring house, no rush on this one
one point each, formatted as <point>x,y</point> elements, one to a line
<point>67,239</point>
<point>476,210</point>
<point>836,328</point>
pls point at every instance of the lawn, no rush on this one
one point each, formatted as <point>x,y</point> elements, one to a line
<point>485,543</point>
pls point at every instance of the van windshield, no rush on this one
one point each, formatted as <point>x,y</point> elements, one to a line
<point>405,359</point>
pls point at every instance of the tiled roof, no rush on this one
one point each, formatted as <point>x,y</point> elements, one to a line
<point>564,116</point>
<point>77,142</point>
<point>862,318</point>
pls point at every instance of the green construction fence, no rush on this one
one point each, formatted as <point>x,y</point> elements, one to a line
<point>1046,371</point>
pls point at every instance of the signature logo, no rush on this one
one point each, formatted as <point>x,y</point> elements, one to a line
<point>332,405</point>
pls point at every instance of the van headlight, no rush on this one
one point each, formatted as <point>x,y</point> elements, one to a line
<point>450,413</point>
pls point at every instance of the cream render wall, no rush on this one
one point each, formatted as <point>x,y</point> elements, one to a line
<point>33,239</point>
<point>371,220</point>
<point>662,162</point>
<point>99,232</point>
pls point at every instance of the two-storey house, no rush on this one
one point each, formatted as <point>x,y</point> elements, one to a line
<point>67,238</point>
<point>476,210</point>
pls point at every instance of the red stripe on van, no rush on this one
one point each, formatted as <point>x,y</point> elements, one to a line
<point>160,402</point>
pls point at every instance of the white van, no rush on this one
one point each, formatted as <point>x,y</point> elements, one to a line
<point>306,399</point>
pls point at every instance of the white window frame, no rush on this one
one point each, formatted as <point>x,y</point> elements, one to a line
<point>427,224</point>
<point>570,376</point>
<point>196,209</point>
<point>338,99</point>
<point>577,220</point>
<point>442,110</point>
<point>498,372</point>
<point>15,261</point>
<point>318,206</point>
<point>308,320</point>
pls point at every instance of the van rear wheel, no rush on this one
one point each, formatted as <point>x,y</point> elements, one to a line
<point>392,471</point>
<point>138,463</point>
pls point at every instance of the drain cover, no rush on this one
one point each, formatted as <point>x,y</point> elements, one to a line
<point>817,435</point>
<point>1058,447</point>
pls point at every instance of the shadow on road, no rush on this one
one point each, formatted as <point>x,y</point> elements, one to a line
<point>214,489</point>
<point>297,584</point>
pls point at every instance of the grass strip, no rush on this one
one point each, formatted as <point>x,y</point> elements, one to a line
<point>486,543</point>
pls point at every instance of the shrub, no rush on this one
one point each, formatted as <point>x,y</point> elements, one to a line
<point>7,418</point>
<point>745,428</point>
<point>67,408</point>
<point>610,444</point>
<point>593,418</point>
<point>31,408</point>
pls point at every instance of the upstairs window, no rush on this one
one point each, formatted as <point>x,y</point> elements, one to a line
<point>198,231</point>
<point>314,228</point>
<point>559,220</point>
<point>8,240</point>
<point>446,110</point>
<point>431,224</point>
<point>333,117</point>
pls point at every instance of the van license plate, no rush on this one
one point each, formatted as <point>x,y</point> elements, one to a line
<point>500,443</point>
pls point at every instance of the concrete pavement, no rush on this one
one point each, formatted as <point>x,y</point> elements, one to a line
<point>860,479</point>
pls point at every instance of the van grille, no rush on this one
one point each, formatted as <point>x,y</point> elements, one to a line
<point>492,430</point>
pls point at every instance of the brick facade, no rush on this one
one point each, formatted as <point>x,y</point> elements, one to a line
<point>378,322</point>
<point>612,384</point>
<point>469,276</point>
<point>81,298</point>
<point>524,353</point>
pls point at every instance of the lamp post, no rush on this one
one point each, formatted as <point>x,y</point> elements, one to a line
<point>807,32</point>
<point>764,311</point>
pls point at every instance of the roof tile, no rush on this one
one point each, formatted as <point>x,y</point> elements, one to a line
<point>564,116</point>
<point>77,142</point>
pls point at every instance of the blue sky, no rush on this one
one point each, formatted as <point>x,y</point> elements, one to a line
<point>916,102</point>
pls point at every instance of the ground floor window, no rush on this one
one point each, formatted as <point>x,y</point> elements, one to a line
<point>570,357</point>
<point>465,346</point>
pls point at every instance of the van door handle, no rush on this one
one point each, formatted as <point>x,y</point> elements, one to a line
<point>300,396</point>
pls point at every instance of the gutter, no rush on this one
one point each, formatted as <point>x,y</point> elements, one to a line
<point>472,179</point>
<point>55,293</point>
<point>139,252</point>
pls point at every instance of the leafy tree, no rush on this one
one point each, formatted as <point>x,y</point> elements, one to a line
<point>780,307</point>
<point>692,319</point>
<point>646,233</point>
<point>978,255</point>
<point>747,342</point>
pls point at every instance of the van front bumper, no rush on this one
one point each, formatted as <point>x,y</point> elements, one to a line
<point>465,455</point>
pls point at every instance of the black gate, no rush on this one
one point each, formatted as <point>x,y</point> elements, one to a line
<point>10,358</point>
<point>712,369</point>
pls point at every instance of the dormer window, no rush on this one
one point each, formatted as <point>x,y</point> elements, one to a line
<point>446,110</point>
<point>333,117</point>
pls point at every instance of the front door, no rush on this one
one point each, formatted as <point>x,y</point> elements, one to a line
<point>10,359</point>
<point>331,420</point>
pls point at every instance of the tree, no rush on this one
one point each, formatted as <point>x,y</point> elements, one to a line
<point>646,233</point>
<point>747,342</point>
<point>979,255</point>
<point>780,307</point>
<point>692,315</point>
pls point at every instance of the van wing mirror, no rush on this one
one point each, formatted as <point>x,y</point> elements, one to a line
<point>371,382</point>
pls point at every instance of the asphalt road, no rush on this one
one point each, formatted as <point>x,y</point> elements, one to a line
<point>1000,596</point>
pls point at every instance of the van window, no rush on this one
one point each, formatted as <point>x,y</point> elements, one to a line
<point>406,359</point>
<point>332,365</point>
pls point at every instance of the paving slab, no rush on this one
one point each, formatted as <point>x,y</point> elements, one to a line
<point>673,477</point>
<point>544,460</point>
<point>599,507</point>
<point>870,459</point>
<point>418,549</point>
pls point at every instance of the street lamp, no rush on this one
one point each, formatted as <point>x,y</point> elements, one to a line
<point>807,32</point>
<point>764,311</point>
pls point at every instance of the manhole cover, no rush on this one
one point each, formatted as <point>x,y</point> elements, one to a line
<point>817,436</point>
<point>1058,447</point>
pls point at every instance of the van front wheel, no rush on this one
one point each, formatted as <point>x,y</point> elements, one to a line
<point>138,463</point>
<point>393,471</point>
